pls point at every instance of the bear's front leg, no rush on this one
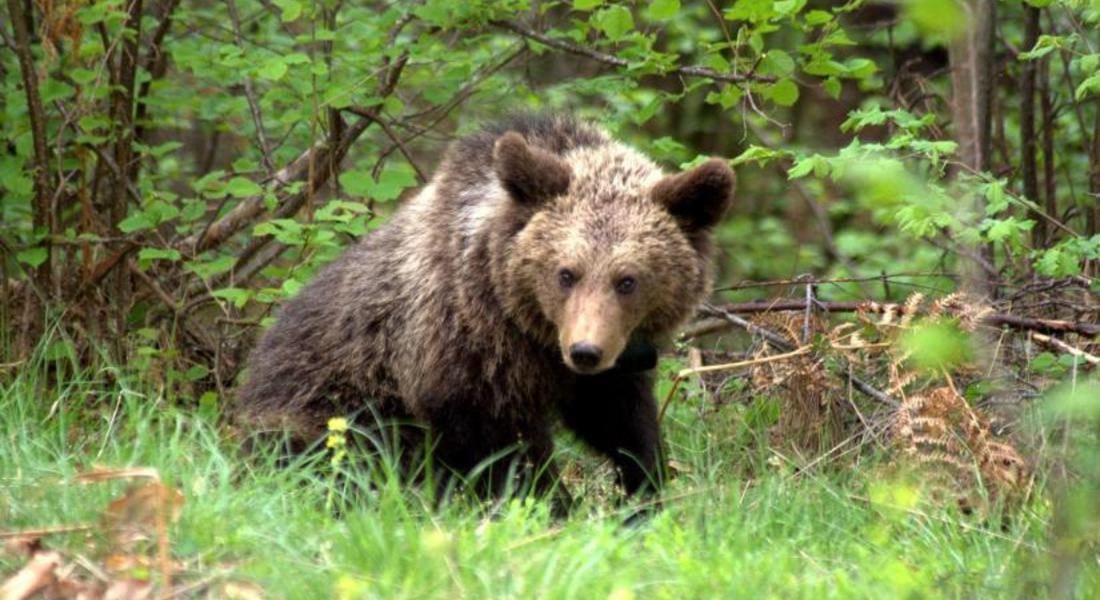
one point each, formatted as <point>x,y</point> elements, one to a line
<point>616,414</point>
<point>497,456</point>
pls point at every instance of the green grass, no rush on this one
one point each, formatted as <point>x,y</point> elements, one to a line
<point>735,524</point>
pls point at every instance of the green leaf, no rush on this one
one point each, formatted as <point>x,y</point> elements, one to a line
<point>995,196</point>
<point>1043,46</point>
<point>391,182</point>
<point>788,7</point>
<point>615,22</point>
<point>135,222</point>
<point>783,92</point>
<point>1043,362</point>
<point>777,62</point>
<point>356,183</point>
<point>389,185</point>
<point>53,90</point>
<point>832,87</point>
<point>860,68</point>
<point>195,373</point>
<point>817,17</point>
<point>728,97</point>
<point>33,256</point>
<point>936,18</point>
<point>1088,63</point>
<point>287,231</point>
<point>241,187</point>
<point>239,297</point>
<point>1088,86</point>
<point>291,286</point>
<point>291,9</point>
<point>936,346</point>
<point>758,154</point>
<point>82,76</point>
<point>150,254</point>
<point>209,268</point>
<point>273,69</point>
<point>1057,262</point>
<point>803,166</point>
<point>1010,230</point>
<point>586,5</point>
<point>661,10</point>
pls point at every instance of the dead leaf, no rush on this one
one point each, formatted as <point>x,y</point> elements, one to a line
<point>36,575</point>
<point>128,589</point>
<point>141,512</point>
<point>241,590</point>
<point>23,544</point>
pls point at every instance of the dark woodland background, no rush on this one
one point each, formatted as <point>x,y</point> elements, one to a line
<point>908,286</point>
<point>171,170</point>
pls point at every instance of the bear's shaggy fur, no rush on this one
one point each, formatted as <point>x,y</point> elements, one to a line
<point>499,299</point>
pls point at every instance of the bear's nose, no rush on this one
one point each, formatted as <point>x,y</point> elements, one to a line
<point>585,355</point>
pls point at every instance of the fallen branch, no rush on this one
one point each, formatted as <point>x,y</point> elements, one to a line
<point>683,374</point>
<point>781,343</point>
<point>1064,347</point>
<point>994,319</point>
<point>596,55</point>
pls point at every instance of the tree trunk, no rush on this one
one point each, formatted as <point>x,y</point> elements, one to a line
<point>971,57</point>
<point>1029,168</point>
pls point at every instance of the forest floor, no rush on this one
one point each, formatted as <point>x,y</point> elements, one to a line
<point>738,520</point>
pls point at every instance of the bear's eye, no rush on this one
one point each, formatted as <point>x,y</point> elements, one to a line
<point>626,285</point>
<point>567,278</point>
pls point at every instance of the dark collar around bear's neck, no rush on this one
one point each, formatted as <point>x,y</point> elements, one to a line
<point>639,355</point>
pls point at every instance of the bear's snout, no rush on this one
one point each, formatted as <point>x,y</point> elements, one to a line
<point>585,355</point>
<point>593,331</point>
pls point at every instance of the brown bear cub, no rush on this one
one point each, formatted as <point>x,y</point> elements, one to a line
<point>519,287</point>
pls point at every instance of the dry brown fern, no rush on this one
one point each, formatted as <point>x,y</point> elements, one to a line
<point>810,420</point>
<point>950,442</point>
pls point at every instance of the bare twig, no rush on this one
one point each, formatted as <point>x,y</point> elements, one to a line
<point>994,319</point>
<point>156,63</point>
<point>390,133</point>
<point>802,279</point>
<point>1029,142</point>
<point>250,94</point>
<point>596,55</point>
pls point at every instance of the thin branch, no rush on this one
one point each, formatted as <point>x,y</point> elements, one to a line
<point>993,319</point>
<point>394,138</point>
<point>596,55</point>
<point>323,153</point>
<point>43,217</point>
<point>833,280</point>
<point>1046,108</point>
<point>1029,142</point>
<point>250,94</point>
<point>156,63</point>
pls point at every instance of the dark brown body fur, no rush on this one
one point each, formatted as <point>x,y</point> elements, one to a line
<point>450,314</point>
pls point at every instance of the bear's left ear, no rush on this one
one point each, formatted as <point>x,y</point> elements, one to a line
<point>698,198</point>
<point>529,173</point>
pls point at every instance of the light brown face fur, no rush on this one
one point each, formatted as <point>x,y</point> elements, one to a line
<point>624,251</point>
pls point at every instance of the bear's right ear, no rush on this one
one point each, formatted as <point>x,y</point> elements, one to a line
<point>698,198</point>
<point>529,173</point>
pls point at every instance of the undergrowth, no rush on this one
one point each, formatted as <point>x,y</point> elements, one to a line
<point>738,519</point>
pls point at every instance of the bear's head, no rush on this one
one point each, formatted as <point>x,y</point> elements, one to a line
<point>603,247</point>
